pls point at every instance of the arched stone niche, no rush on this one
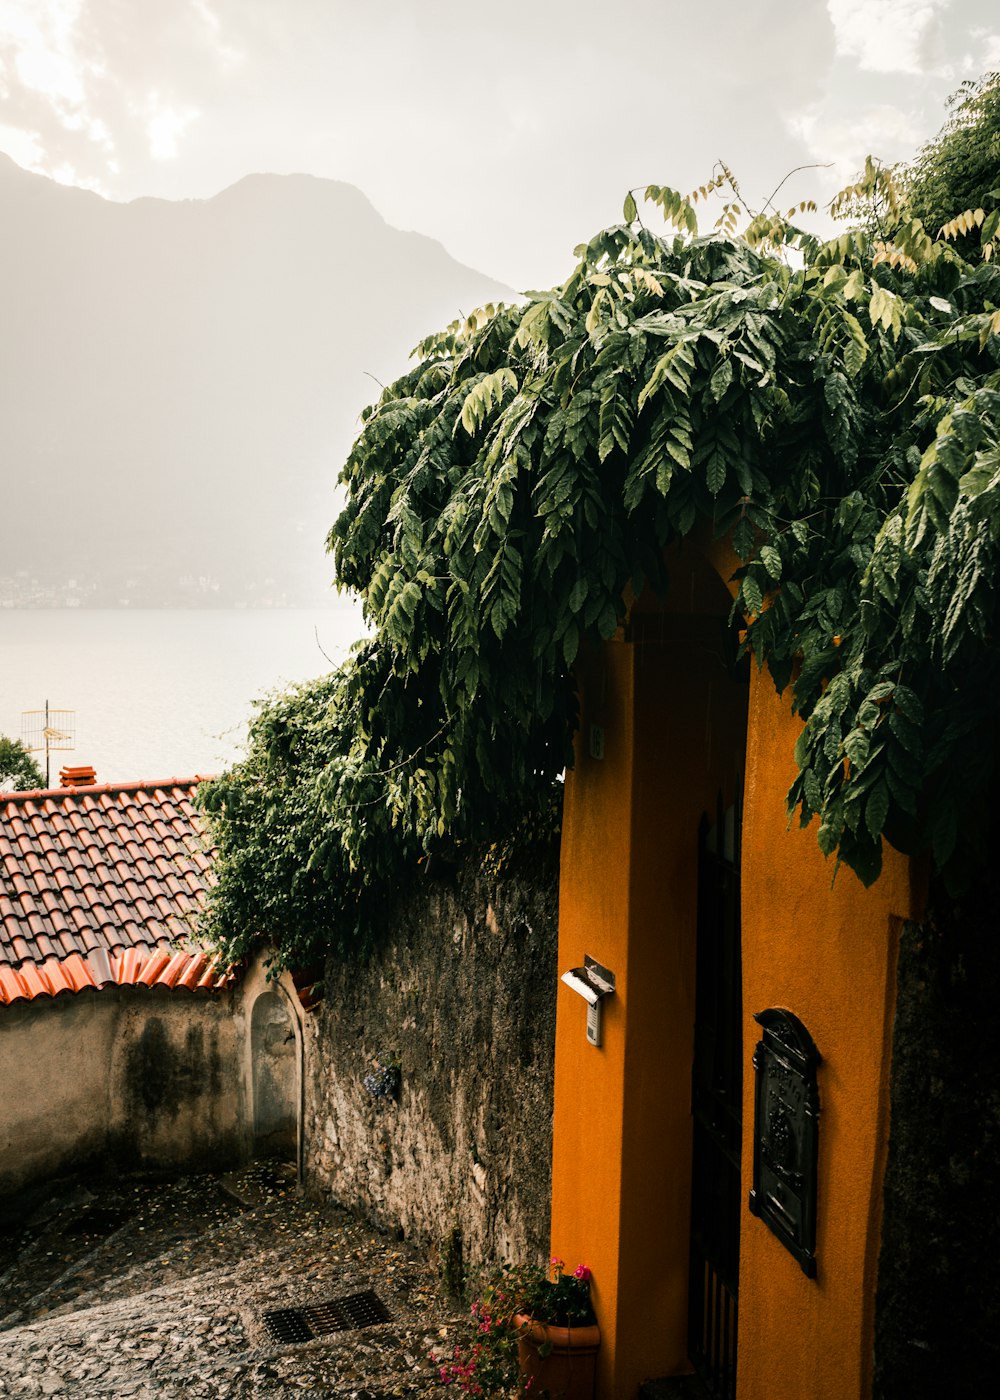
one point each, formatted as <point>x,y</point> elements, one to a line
<point>274,1060</point>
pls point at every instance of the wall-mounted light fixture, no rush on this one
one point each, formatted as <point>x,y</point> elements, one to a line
<point>593,982</point>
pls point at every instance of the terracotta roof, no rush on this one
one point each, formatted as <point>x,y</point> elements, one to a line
<point>99,886</point>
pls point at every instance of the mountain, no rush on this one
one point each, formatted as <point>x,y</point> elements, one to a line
<point>181,380</point>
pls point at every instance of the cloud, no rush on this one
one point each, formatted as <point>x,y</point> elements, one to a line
<point>44,79</point>
<point>883,130</point>
<point>895,65</point>
<point>990,52</point>
<point>165,125</point>
<point>22,146</point>
<point>890,36</point>
<point>94,90</point>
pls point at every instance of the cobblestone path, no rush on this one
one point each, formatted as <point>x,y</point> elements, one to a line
<point>147,1289</point>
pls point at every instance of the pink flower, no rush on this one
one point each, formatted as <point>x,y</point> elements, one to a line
<point>556,1262</point>
<point>582,1272</point>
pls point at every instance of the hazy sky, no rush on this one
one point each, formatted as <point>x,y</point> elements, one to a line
<point>510,131</point>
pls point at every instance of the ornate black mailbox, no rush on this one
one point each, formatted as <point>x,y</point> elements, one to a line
<point>786,1133</point>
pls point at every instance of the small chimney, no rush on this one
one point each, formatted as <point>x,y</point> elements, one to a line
<point>77,777</point>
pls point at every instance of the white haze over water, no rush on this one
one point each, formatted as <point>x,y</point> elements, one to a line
<point>164,693</point>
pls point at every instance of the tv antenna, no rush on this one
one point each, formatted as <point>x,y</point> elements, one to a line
<point>48,731</point>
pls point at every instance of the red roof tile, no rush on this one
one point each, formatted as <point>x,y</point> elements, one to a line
<point>99,886</point>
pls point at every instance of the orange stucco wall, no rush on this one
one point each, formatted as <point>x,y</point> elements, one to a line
<point>594,919</point>
<point>622,1129</point>
<point>672,724</point>
<point>826,951</point>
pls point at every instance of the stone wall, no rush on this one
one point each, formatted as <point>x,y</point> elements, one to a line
<point>938,1289</point>
<point>452,1022</point>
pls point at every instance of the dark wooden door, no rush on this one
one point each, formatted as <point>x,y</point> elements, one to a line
<point>716,1105</point>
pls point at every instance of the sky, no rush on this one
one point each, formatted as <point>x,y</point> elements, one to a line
<point>509,131</point>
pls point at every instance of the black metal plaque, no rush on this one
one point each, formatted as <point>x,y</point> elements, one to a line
<point>786,1133</point>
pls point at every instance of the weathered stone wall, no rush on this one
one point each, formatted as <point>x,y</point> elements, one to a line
<point>177,1096</point>
<point>53,1085</point>
<point>939,1287</point>
<point>128,1075</point>
<point>462,996</point>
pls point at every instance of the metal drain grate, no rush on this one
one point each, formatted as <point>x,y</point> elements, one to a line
<point>288,1325</point>
<point>337,1315</point>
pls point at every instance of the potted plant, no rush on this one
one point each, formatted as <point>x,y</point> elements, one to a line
<point>557,1334</point>
<point>535,1335</point>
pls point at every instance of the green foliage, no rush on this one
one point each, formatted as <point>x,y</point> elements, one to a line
<point>309,845</point>
<point>285,874</point>
<point>835,415</point>
<point>18,770</point>
<point>833,420</point>
<point>959,170</point>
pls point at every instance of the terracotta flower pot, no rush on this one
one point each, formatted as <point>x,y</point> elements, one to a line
<point>567,1368</point>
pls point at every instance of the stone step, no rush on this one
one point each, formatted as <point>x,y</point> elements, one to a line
<point>66,1283</point>
<point>170,1231</point>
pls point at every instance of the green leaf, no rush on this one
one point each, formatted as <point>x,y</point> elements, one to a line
<point>743,537</point>
<point>877,809</point>
<point>715,473</point>
<point>856,746</point>
<point>771,560</point>
<point>721,378</point>
<point>983,476</point>
<point>828,838</point>
<point>753,598</point>
<point>629,211</point>
<point>854,357</point>
<point>607,624</point>
<point>907,733</point>
<point>571,643</point>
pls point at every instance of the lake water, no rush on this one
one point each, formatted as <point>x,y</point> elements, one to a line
<point>160,694</point>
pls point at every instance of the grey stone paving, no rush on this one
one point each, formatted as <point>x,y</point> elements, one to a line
<point>158,1290</point>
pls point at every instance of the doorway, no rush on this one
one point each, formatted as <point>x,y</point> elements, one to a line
<point>717,1104</point>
